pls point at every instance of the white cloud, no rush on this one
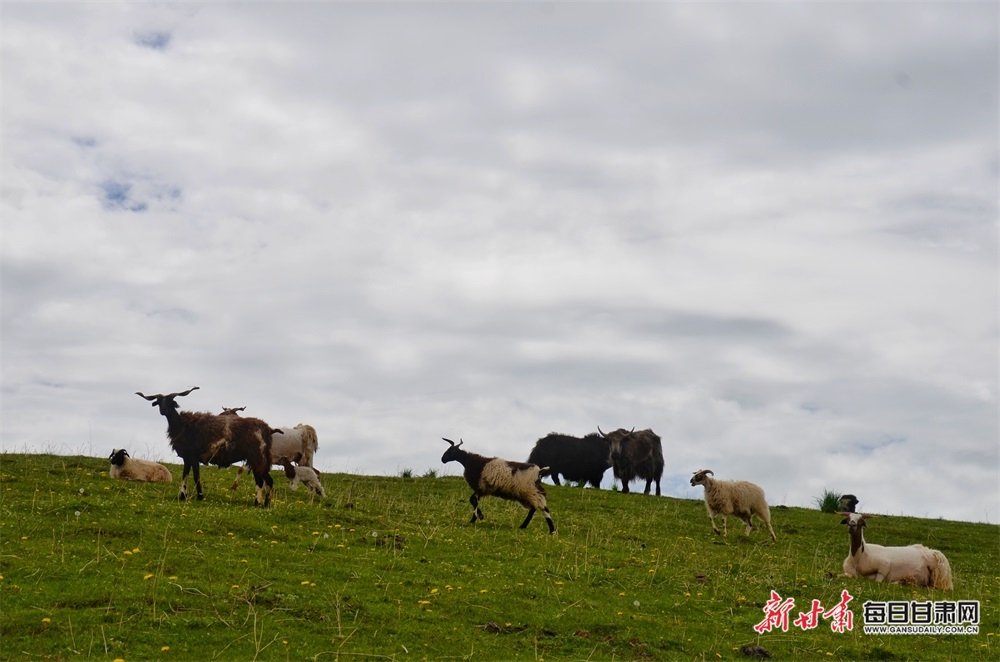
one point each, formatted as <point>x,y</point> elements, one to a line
<point>767,232</point>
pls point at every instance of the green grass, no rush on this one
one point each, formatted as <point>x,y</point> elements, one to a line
<point>389,568</point>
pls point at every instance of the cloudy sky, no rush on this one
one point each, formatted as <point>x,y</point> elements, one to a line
<point>768,232</point>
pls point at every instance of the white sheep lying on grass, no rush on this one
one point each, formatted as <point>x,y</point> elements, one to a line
<point>733,497</point>
<point>124,467</point>
<point>916,564</point>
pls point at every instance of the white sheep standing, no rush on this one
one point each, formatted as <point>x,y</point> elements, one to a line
<point>307,476</point>
<point>125,467</point>
<point>733,497</point>
<point>915,564</point>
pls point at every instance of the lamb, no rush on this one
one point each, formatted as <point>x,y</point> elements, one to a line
<point>219,440</point>
<point>916,564</point>
<point>733,497</point>
<point>297,444</point>
<point>125,467</point>
<point>307,476</point>
<point>492,476</point>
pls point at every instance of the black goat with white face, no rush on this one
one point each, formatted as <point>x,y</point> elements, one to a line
<point>493,476</point>
<point>219,440</point>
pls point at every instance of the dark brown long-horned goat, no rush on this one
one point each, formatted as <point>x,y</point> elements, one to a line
<point>220,440</point>
<point>493,476</point>
<point>635,455</point>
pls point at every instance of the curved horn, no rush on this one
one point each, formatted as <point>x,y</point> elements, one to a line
<point>704,471</point>
<point>177,395</point>
<point>601,431</point>
<point>449,441</point>
<point>148,397</point>
<point>632,430</point>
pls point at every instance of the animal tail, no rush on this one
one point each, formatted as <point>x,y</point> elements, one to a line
<point>310,444</point>
<point>940,571</point>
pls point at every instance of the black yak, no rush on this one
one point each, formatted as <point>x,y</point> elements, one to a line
<point>578,460</point>
<point>636,455</point>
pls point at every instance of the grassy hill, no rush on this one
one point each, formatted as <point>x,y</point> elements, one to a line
<point>389,568</point>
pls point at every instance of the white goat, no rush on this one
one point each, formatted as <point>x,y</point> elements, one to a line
<point>125,467</point>
<point>733,497</point>
<point>916,564</point>
<point>307,476</point>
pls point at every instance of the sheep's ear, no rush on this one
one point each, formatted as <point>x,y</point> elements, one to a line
<point>845,520</point>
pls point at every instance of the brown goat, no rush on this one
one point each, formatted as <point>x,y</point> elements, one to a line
<point>219,440</point>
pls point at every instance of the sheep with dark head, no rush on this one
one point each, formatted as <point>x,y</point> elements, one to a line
<point>492,476</point>
<point>300,475</point>
<point>219,440</point>
<point>125,467</point>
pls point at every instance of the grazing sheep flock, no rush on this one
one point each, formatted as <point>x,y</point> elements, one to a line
<point>228,438</point>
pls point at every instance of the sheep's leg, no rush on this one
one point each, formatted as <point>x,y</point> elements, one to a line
<point>268,487</point>
<point>555,478</point>
<point>264,485</point>
<point>474,500</point>
<point>531,513</point>
<point>746,520</point>
<point>657,487</point>
<point>239,473</point>
<point>197,479</point>
<point>182,495</point>
<point>767,520</point>
<point>624,486</point>
<point>548,519</point>
<point>649,484</point>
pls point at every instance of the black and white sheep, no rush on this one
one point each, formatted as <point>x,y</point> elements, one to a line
<point>493,476</point>
<point>219,440</point>
<point>733,497</point>
<point>577,459</point>
<point>126,467</point>
<point>915,564</point>
<point>635,455</point>
<point>300,475</point>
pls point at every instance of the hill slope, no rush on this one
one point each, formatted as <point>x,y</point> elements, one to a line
<point>389,567</point>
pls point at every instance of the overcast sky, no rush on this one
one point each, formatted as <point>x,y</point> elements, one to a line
<point>766,231</point>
